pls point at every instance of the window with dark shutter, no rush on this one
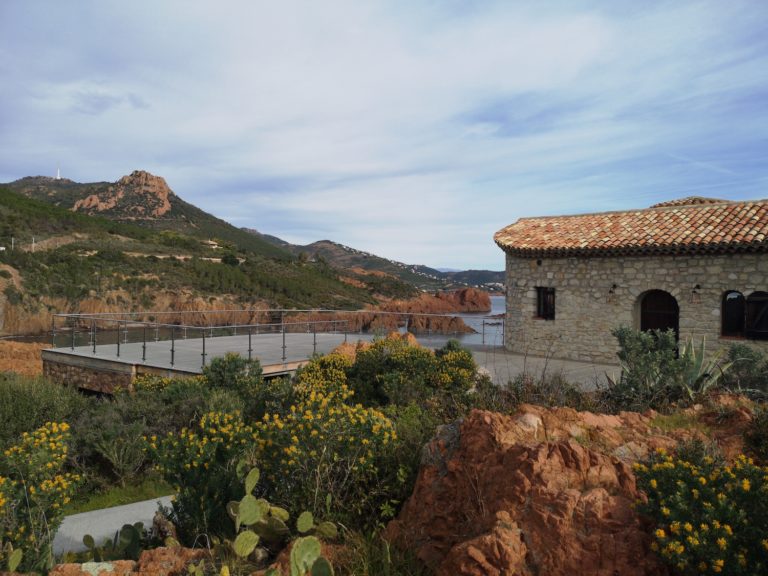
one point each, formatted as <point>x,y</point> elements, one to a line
<point>733,311</point>
<point>757,316</point>
<point>545,303</point>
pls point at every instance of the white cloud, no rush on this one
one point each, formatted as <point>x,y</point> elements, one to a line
<point>411,129</point>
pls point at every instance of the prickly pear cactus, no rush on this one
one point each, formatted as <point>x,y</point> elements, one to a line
<point>257,521</point>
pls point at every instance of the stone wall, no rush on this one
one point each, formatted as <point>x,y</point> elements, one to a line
<point>96,379</point>
<point>586,311</point>
<point>98,374</point>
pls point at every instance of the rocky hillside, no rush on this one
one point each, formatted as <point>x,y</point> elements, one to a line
<point>60,260</point>
<point>145,200</point>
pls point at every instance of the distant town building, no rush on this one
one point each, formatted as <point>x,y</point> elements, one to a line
<point>698,266</point>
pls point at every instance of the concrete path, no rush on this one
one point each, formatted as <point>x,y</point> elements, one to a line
<point>504,366</point>
<point>103,523</point>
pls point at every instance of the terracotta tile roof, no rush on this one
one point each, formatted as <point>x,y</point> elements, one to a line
<point>671,228</point>
<point>689,201</point>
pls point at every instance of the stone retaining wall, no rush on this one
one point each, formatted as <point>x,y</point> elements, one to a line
<point>586,310</point>
<point>96,379</point>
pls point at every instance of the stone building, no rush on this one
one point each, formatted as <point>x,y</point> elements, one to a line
<point>698,266</point>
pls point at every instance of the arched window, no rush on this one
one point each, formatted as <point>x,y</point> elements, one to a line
<point>733,311</point>
<point>757,316</point>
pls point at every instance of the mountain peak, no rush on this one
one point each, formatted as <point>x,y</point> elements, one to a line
<point>138,196</point>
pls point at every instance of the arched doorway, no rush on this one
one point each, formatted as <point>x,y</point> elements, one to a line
<point>659,311</point>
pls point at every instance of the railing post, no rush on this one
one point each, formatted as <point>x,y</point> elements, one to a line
<point>346,328</point>
<point>203,354</point>
<point>73,335</point>
<point>118,338</point>
<point>144,344</point>
<point>53,331</point>
<point>483,340</point>
<point>173,344</point>
<point>314,338</point>
<point>282,325</point>
<point>93,333</point>
<point>250,348</point>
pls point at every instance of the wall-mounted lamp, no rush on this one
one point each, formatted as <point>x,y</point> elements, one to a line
<point>695,295</point>
<point>612,294</point>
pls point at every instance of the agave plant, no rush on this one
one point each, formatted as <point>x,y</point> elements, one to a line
<point>701,373</point>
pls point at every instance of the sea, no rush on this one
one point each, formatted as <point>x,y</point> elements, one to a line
<point>489,330</point>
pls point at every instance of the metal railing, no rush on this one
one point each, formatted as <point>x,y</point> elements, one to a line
<point>114,331</point>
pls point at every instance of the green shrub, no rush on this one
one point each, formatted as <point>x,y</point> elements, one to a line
<point>399,464</point>
<point>372,555</point>
<point>549,390</point>
<point>222,400</point>
<point>107,433</point>
<point>321,449</point>
<point>236,373</point>
<point>274,396</point>
<point>201,463</point>
<point>709,518</point>
<point>656,373</point>
<point>391,371</point>
<point>13,295</point>
<point>497,398</point>
<point>756,436</point>
<point>33,490</point>
<point>27,403</point>
<point>108,440</point>
<point>749,371</point>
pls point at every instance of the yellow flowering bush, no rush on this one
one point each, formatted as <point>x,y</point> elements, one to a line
<point>33,490</point>
<point>324,374</point>
<point>393,371</point>
<point>456,368</point>
<point>155,383</point>
<point>322,447</point>
<point>201,462</point>
<point>711,518</point>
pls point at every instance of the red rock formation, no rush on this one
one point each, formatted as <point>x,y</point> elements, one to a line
<point>467,300</point>
<point>541,492</point>
<point>139,196</point>
<point>423,314</point>
<point>156,562</point>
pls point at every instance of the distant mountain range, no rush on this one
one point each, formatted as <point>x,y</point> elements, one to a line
<point>144,200</point>
<point>423,277</point>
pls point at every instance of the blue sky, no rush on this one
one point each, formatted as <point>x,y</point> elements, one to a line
<point>410,129</point>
